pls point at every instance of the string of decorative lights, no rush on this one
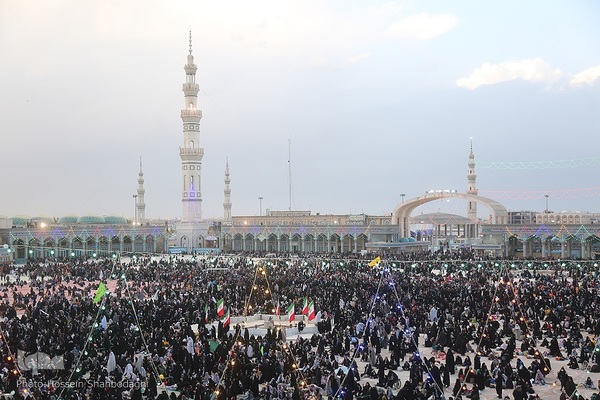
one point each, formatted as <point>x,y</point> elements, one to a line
<point>11,357</point>
<point>527,323</point>
<point>341,388</point>
<point>259,270</point>
<point>230,362</point>
<point>139,327</point>
<point>414,341</point>
<point>88,340</point>
<point>511,165</point>
<point>575,193</point>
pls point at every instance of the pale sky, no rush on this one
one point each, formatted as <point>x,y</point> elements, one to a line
<point>376,98</point>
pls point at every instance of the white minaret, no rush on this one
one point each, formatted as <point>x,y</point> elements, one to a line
<point>471,178</point>
<point>140,205</point>
<point>191,153</point>
<point>227,194</point>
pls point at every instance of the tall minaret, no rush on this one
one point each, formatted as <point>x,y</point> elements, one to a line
<point>191,153</point>
<point>227,193</point>
<point>471,178</point>
<point>140,205</point>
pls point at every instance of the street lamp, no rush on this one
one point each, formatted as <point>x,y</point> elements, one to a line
<point>546,196</point>
<point>260,199</point>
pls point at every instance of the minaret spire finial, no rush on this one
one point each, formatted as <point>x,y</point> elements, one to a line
<point>190,40</point>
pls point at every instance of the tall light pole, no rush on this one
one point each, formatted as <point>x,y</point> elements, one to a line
<point>546,196</point>
<point>402,195</point>
<point>260,205</point>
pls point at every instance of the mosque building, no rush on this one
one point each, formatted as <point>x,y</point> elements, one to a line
<point>505,233</point>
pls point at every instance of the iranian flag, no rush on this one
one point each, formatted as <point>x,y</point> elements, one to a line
<point>278,309</point>
<point>290,312</point>
<point>206,313</point>
<point>227,319</point>
<point>311,311</point>
<point>305,307</point>
<point>221,307</point>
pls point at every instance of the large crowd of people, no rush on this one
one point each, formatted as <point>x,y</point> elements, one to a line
<point>409,326</point>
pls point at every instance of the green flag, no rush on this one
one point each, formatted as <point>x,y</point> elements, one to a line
<point>100,292</point>
<point>213,345</point>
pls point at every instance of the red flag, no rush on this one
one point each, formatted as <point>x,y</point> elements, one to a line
<point>291,312</point>
<point>221,307</point>
<point>311,311</point>
<point>305,307</point>
<point>227,319</point>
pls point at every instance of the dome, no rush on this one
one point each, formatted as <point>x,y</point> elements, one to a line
<point>90,219</point>
<point>403,240</point>
<point>412,239</point>
<point>47,220</point>
<point>68,220</point>
<point>115,220</point>
<point>20,220</point>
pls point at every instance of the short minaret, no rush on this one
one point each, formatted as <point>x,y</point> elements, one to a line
<point>227,195</point>
<point>191,153</point>
<point>140,205</point>
<point>471,178</point>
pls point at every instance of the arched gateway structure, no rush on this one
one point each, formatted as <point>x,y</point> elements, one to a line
<point>402,212</point>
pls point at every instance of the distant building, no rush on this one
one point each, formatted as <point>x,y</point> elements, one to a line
<point>567,217</point>
<point>522,217</point>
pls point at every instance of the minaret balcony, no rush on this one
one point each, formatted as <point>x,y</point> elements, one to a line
<point>191,113</point>
<point>189,86</point>
<point>191,151</point>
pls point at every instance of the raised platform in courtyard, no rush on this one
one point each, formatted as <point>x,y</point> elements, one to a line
<point>258,324</point>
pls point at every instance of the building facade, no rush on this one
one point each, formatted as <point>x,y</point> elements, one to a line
<point>89,236</point>
<point>301,231</point>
